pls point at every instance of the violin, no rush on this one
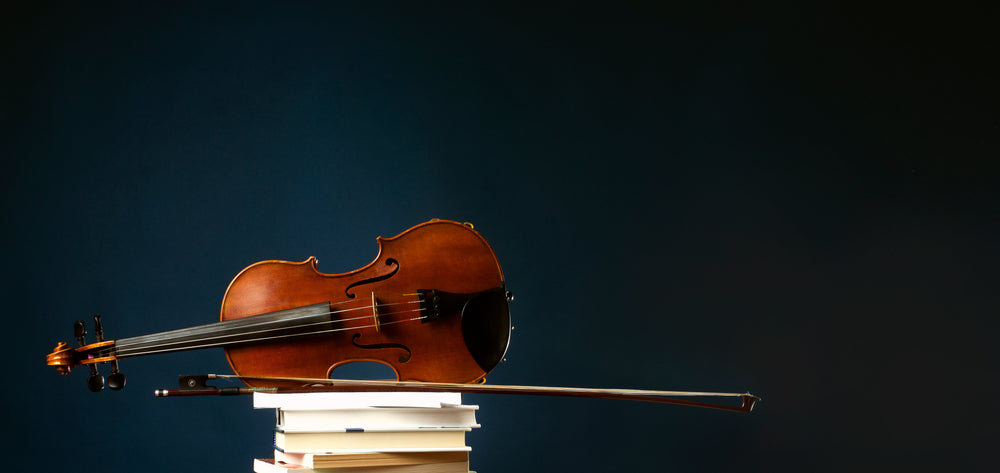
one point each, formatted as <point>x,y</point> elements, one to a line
<point>432,306</point>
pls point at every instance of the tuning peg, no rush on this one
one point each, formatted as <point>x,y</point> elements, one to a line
<point>80,332</point>
<point>98,330</point>
<point>116,380</point>
<point>95,382</point>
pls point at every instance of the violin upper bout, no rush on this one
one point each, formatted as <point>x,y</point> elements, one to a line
<point>262,286</point>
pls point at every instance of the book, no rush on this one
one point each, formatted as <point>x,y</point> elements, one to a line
<point>269,465</point>
<point>344,460</point>
<point>351,400</point>
<point>376,417</point>
<point>316,442</point>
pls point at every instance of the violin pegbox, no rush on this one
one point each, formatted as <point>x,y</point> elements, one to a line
<point>64,358</point>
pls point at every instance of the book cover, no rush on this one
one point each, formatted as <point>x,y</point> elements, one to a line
<point>376,417</point>
<point>269,465</point>
<point>342,460</point>
<point>312,442</point>
<point>353,400</point>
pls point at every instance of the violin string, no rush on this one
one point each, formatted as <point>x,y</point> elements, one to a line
<point>250,322</point>
<point>126,347</point>
<point>129,349</point>
<point>247,323</point>
<point>261,339</point>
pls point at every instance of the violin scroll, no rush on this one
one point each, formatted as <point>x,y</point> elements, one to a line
<point>64,357</point>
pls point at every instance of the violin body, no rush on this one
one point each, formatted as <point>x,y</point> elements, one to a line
<point>431,306</point>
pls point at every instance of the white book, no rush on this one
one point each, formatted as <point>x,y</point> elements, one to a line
<point>380,449</point>
<point>346,460</point>
<point>311,442</point>
<point>377,418</point>
<point>353,400</point>
<point>269,465</point>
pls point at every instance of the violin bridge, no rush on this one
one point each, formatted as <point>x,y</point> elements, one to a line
<point>375,312</point>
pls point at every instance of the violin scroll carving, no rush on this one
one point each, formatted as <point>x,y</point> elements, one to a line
<point>64,357</point>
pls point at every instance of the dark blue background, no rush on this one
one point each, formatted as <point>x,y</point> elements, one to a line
<point>797,202</point>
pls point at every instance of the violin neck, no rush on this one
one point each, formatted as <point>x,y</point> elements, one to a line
<point>296,322</point>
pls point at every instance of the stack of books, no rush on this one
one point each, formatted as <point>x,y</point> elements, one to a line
<point>368,432</point>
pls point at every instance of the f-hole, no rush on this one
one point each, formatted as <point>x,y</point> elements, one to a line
<point>388,262</point>
<point>379,346</point>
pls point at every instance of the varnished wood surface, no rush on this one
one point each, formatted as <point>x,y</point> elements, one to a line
<point>443,255</point>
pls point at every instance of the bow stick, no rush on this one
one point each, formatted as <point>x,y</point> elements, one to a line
<point>325,385</point>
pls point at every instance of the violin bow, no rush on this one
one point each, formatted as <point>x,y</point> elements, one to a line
<point>195,385</point>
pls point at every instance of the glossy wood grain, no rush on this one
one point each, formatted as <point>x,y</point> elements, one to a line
<point>443,255</point>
